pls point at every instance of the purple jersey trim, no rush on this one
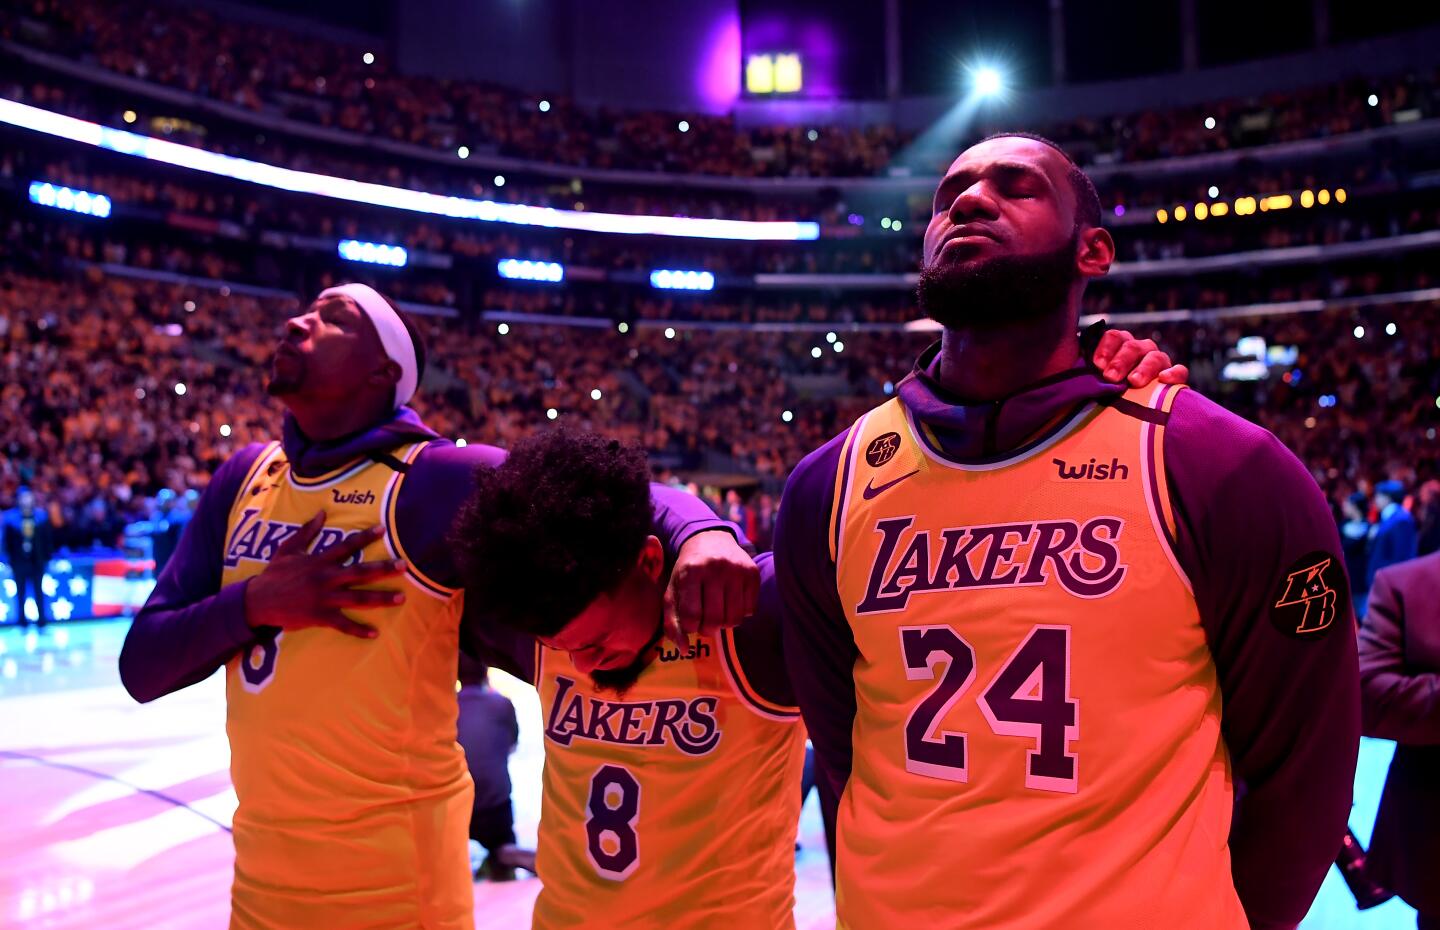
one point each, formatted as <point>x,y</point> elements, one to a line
<point>1152,477</point>
<point>847,464</point>
<point>754,653</point>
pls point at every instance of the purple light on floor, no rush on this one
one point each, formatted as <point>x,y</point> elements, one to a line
<point>1119,209</point>
<point>856,219</point>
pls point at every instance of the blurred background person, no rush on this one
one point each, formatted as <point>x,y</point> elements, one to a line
<point>1355,541</point>
<point>489,733</point>
<point>1427,518</point>
<point>1400,700</point>
<point>1393,538</point>
<point>29,544</point>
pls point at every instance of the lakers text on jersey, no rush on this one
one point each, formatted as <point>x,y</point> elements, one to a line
<point>673,806</point>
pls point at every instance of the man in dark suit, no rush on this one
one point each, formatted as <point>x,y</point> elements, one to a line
<point>29,543</point>
<point>1400,695</point>
<point>1393,538</point>
<point>488,732</point>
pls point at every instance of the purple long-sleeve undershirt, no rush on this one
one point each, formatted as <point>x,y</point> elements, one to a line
<point>1246,510</point>
<point>191,624</point>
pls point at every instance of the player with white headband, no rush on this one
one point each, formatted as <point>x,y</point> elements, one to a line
<point>317,572</point>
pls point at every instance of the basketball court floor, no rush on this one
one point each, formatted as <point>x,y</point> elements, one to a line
<point>117,816</point>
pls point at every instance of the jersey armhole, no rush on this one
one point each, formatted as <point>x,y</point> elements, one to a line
<point>392,530</point>
<point>842,486</point>
<point>744,690</point>
<point>1156,481</point>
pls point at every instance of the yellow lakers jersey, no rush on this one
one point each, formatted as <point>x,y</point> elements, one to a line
<point>354,795</point>
<point>1037,737</point>
<point>675,806</point>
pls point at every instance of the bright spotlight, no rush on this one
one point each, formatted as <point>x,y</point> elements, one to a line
<point>988,81</point>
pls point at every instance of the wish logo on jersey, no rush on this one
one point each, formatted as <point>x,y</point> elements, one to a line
<point>1114,470</point>
<point>255,540</point>
<point>700,650</point>
<point>688,725</point>
<point>1083,558</point>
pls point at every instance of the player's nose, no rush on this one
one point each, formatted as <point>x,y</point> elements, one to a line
<point>973,203</point>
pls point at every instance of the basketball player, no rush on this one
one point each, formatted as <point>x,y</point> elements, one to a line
<point>670,787</point>
<point>1046,630</point>
<point>316,571</point>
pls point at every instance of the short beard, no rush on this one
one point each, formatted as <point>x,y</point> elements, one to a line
<point>281,386</point>
<point>621,680</point>
<point>998,292</point>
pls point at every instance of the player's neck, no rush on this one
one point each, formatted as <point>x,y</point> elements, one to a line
<point>991,363</point>
<point>326,422</point>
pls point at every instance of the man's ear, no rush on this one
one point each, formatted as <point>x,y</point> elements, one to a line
<point>387,375</point>
<point>1097,252</point>
<point>651,560</point>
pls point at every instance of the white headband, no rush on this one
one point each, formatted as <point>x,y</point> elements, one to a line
<point>394,337</point>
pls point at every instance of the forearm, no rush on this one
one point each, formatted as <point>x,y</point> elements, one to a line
<point>680,515</point>
<point>1288,830</point>
<point>173,647</point>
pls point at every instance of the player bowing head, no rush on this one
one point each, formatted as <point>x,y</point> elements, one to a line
<point>671,770</point>
<point>558,543</point>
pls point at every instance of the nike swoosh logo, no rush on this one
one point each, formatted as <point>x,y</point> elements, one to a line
<point>871,492</point>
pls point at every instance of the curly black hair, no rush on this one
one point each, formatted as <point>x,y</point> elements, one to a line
<point>557,524</point>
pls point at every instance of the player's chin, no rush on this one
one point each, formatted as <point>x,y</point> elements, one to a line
<point>619,674</point>
<point>281,386</point>
<point>287,375</point>
<point>968,254</point>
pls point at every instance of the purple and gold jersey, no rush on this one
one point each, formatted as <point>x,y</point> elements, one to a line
<point>673,806</point>
<point>1034,692</point>
<point>353,793</point>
